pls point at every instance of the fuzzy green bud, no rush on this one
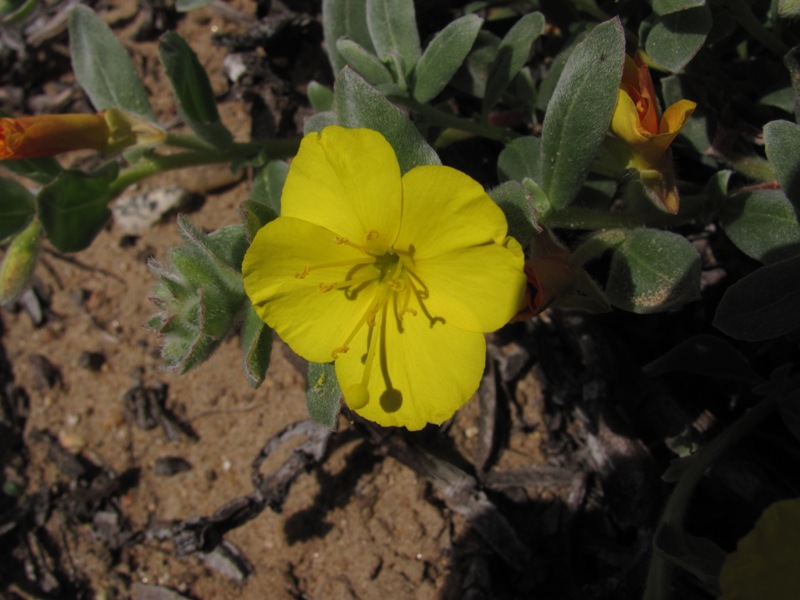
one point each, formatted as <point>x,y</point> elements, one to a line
<point>19,262</point>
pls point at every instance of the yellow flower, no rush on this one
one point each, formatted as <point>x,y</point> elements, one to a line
<point>648,140</point>
<point>48,135</point>
<point>764,564</point>
<point>393,277</point>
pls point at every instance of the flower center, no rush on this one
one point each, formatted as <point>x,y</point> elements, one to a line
<point>397,293</point>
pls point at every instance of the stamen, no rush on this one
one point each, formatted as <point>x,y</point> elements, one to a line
<point>422,294</point>
<point>367,318</point>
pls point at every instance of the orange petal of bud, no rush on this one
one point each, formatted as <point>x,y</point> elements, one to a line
<point>48,135</point>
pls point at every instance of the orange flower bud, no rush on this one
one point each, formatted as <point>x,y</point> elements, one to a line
<point>548,278</point>
<point>636,122</point>
<point>48,135</point>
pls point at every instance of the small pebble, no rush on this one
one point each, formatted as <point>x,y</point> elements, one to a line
<point>167,466</point>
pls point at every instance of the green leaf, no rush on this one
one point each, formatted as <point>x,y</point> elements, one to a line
<point>323,395</point>
<point>782,141</point>
<point>344,18</point>
<point>256,340</point>
<point>707,355</point>
<point>665,7</point>
<point>517,205</point>
<point>763,305</point>
<point>40,170</point>
<point>320,121</point>
<point>102,65</point>
<point>392,26</point>
<point>763,224</point>
<point>520,159</point>
<point>672,40</point>
<point>320,96</point>
<point>443,56</point>
<point>17,208</point>
<point>264,204</point>
<point>74,207</point>
<point>650,270</point>
<point>360,105</point>
<point>363,62</point>
<point>580,111</point>
<point>196,102</point>
<point>512,54</point>
<point>792,63</point>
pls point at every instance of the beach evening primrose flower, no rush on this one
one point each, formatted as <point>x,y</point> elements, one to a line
<point>647,138</point>
<point>394,277</point>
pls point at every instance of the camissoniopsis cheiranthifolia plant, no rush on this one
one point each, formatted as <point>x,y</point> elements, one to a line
<point>385,268</point>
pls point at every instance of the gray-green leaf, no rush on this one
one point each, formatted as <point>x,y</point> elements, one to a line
<point>443,56</point>
<point>364,62</point>
<point>17,208</point>
<point>360,105</point>
<point>392,26</point>
<point>512,54</point>
<point>763,305</point>
<point>782,141</point>
<point>672,40</point>
<point>580,111</point>
<point>102,65</point>
<point>763,224</point>
<point>196,102</point>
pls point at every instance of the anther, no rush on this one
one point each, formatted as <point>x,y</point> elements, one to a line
<point>304,273</point>
<point>339,350</point>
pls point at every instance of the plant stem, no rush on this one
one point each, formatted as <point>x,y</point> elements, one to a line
<point>744,15</point>
<point>660,567</point>
<point>157,163</point>
<point>444,119</point>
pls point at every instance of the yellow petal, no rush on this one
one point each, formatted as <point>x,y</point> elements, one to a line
<point>765,562</point>
<point>675,117</point>
<point>312,322</point>
<point>348,181</point>
<point>625,123</point>
<point>478,288</point>
<point>444,210</point>
<point>421,375</point>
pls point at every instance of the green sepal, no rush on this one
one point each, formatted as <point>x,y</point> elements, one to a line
<point>672,40</point>
<point>264,204</point>
<point>323,395</point>
<point>363,62</point>
<point>256,338</point>
<point>74,206</point>
<point>782,144</point>
<point>580,111</point>
<point>650,270</point>
<point>511,56</point>
<point>517,205</point>
<point>17,208</point>
<point>200,295</point>
<point>392,26</point>
<point>764,305</point>
<point>360,105</point>
<point>196,102</point>
<point>762,224</point>
<point>446,52</point>
<point>102,65</point>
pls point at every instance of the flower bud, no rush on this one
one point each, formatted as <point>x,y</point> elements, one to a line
<point>19,262</point>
